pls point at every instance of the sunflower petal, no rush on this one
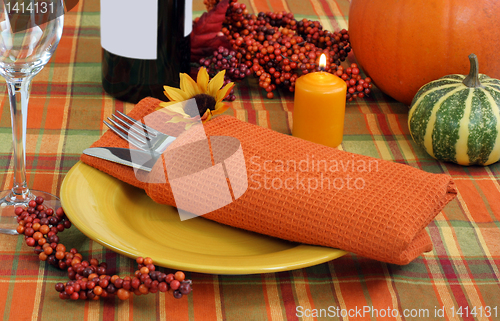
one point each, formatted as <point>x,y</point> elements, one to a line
<point>165,104</point>
<point>215,84</point>
<point>205,115</point>
<point>207,118</point>
<point>175,94</point>
<point>188,85</point>
<point>174,108</point>
<point>206,111</point>
<point>222,93</point>
<point>202,79</point>
<point>219,108</point>
<point>180,119</point>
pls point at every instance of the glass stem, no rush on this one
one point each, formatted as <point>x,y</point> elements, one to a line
<point>19,92</point>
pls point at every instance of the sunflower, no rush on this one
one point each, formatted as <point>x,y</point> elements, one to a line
<point>207,93</point>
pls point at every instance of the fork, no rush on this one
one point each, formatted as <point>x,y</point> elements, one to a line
<point>138,134</point>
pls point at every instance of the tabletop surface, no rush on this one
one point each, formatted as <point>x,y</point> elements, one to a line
<point>67,106</point>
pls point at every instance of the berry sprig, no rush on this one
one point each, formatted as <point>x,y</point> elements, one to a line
<point>278,49</point>
<point>224,59</point>
<point>89,279</point>
<point>356,86</point>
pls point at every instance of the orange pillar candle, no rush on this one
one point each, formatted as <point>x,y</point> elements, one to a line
<point>319,107</point>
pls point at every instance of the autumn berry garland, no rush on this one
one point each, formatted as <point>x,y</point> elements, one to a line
<point>273,46</point>
<point>89,279</point>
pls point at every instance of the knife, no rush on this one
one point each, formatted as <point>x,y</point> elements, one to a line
<point>131,157</point>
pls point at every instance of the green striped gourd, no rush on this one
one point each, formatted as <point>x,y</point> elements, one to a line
<point>457,118</point>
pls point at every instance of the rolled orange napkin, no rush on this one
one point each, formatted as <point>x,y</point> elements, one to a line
<point>301,191</point>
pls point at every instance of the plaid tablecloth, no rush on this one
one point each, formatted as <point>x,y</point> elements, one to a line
<point>458,280</point>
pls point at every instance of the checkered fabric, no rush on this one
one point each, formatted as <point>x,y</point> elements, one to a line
<point>67,107</point>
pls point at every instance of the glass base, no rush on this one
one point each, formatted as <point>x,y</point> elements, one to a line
<point>8,219</point>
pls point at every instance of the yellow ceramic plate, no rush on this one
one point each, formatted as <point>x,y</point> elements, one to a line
<point>125,220</point>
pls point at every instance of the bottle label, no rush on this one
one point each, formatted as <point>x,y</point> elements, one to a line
<point>188,14</point>
<point>129,28</point>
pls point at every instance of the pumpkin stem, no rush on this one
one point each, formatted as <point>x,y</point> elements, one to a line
<point>472,80</point>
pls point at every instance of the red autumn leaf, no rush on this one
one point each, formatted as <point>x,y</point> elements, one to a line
<point>206,35</point>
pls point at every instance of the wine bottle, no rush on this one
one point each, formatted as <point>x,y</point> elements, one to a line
<point>145,45</point>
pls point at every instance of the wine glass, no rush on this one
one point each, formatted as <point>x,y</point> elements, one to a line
<point>30,31</point>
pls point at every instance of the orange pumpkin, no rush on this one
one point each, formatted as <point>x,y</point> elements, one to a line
<point>402,45</point>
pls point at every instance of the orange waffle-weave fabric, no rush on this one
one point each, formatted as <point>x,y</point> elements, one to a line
<point>371,207</point>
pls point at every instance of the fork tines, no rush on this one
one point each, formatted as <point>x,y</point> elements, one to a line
<point>131,130</point>
<point>148,130</point>
<point>139,134</point>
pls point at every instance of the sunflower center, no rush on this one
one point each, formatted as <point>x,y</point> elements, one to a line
<point>204,102</point>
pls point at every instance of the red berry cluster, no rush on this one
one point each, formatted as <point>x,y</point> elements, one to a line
<point>278,49</point>
<point>356,86</point>
<point>224,59</point>
<point>88,279</point>
<point>40,226</point>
